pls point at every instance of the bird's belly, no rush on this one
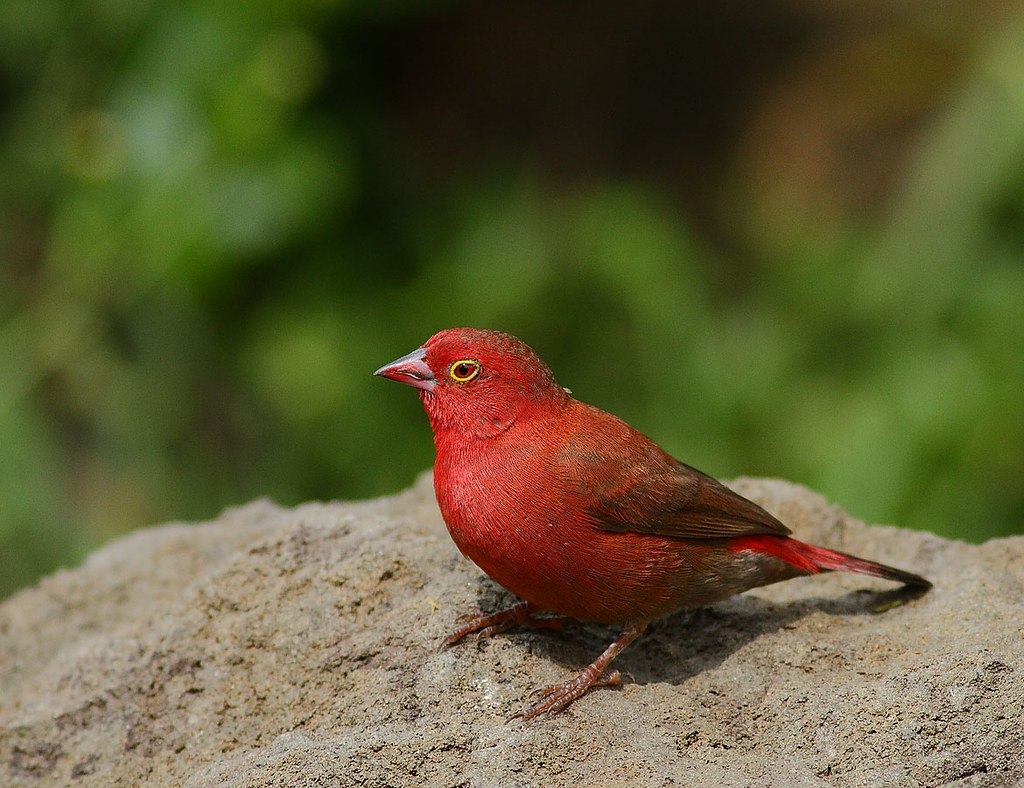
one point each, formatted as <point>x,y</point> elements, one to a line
<point>591,574</point>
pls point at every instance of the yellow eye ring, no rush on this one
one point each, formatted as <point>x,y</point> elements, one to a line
<point>464,370</point>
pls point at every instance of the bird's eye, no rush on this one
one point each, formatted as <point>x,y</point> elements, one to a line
<point>464,371</point>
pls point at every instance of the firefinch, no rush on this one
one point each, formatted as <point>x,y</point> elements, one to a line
<point>579,514</point>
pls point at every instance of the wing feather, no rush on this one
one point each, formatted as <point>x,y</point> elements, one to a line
<point>627,483</point>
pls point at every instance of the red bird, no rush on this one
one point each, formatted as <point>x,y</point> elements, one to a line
<point>577,513</point>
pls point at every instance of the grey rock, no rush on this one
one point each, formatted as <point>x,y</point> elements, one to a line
<point>298,647</point>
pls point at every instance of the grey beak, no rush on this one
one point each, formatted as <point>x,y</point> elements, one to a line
<point>411,369</point>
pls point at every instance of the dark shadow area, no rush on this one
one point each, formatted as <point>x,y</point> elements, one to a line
<point>677,648</point>
<point>655,90</point>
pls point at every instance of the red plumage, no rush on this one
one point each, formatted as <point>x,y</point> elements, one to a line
<point>579,514</point>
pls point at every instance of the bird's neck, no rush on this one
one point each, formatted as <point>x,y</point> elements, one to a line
<point>486,421</point>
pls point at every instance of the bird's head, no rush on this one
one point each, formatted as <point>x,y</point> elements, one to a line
<point>477,381</point>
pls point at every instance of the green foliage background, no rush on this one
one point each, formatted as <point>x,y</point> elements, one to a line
<point>778,246</point>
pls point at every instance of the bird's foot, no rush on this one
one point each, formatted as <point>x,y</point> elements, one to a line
<point>558,696</point>
<point>596,674</point>
<point>522,614</point>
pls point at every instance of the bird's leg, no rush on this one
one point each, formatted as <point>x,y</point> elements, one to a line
<point>558,696</point>
<point>521,614</point>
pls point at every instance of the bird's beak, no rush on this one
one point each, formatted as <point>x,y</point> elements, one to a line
<point>411,369</point>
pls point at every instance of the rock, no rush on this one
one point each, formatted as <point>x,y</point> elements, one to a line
<point>277,647</point>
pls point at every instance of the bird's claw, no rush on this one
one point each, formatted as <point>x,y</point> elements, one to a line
<point>519,615</point>
<point>557,696</point>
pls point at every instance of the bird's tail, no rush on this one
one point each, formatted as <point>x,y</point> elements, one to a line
<point>811,560</point>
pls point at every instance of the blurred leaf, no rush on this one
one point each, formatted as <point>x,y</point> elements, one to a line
<point>216,220</point>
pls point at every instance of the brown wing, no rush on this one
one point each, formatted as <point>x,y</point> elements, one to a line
<point>688,504</point>
<point>629,484</point>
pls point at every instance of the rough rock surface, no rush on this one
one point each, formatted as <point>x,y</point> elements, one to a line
<point>298,647</point>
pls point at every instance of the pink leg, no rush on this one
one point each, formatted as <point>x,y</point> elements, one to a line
<point>522,614</point>
<point>558,696</point>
